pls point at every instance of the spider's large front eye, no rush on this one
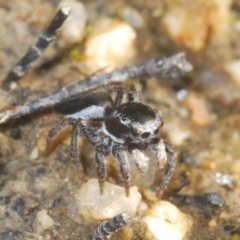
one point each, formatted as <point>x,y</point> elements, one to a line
<point>124,118</point>
<point>146,135</point>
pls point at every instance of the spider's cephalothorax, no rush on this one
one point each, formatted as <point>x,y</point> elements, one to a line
<point>126,126</point>
<point>132,122</point>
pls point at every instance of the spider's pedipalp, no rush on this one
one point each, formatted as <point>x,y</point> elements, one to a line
<point>161,154</point>
<point>141,160</point>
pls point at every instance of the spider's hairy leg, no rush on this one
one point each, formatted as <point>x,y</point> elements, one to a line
<point>101,167</point>
<point>90,133</point>
<point>47,36</point>
<point>120,97</point>
<point>100,151</point>
<point>54,132</point>
<point>75,150</point>
<point>171,164</point>
<point>119,153</point>
<point>80,126</point>
<point>132,94</point>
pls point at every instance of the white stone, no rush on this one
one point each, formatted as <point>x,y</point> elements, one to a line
<point>44,220</point>
<point>233,69</point>
<point>177,133</point>
<point>188,23</point>
<point>92,206</point>
<point>73,30</point>
<point>165,221</point>
<point>111,44</point>
<point>133,17</point>
<point>34,154</point>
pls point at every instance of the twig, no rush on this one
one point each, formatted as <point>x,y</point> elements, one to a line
<point>106,229</point>
<point>172,67</point>
<point>47,36</point>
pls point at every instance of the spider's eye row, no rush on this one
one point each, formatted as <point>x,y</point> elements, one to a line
<point>124,118</point>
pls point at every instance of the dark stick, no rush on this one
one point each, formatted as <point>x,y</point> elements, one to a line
<point>47,36</point>
<point>172,67</point>
<point>106,229</point>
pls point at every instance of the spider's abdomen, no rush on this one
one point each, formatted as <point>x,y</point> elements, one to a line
<point>132,121</point>
<point>88,106</point>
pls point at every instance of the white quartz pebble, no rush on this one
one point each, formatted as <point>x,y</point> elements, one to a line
<point>164,221</point>
<point>73,30</point>
<point>92,206</point>
<point>44,221</point>
<point>110,45</point>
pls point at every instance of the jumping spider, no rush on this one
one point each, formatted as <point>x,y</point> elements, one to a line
<point>126,126</point>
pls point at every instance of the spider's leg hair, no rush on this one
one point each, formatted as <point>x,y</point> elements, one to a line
<point>54,132</point>
<point>90,133</point>
<point>101,168</point>
<point>120,97</point>
<point>133,94</point>
<point>75,150</point>
<point>171,164</point>
<point>119,153</point>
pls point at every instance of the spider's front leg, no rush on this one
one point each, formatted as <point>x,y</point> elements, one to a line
<point>163,148</point>
<point>75,150</point>
<point>119,152</point>
<point>101,150</point>
<point>80,126</point>
<point>54,132</point>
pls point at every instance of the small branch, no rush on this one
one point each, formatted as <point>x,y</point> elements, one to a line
<point>172,67</point>
<point>47,36</point>
<point>106,229</point>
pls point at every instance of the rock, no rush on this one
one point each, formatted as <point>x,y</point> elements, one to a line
<point>92,206</point>
<point>164,221</point>
<point>233,69</point>
<point>34,154</point>
<point>44,221</point>
<point>133,17</point>
<point>6,146</point>
<point>200,114</point>
<point>110,45</point>
<point>189,24</point>
<point>177,133</point>
<point>73,29</point>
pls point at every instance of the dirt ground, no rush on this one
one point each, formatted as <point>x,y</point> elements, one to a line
<point>201,116</point>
